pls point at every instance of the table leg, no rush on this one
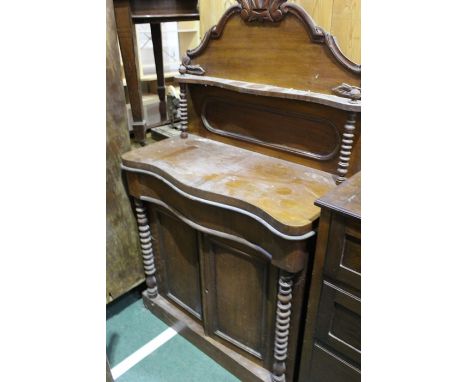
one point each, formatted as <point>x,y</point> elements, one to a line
<point>128,48</point>
<point>156,36</point>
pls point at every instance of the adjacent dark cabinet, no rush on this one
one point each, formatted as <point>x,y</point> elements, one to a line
<point>332,339</point>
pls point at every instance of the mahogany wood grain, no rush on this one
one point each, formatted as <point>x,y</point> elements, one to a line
<point>243,222</point>
<point>272,91</point>
<point>182,268</point>
<point>286,254</point>
<point>219,172</point>
<point>309,65</point>
<point>274,120</point>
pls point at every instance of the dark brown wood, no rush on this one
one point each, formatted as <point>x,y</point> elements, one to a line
<point>123,265</point>
<point>233,272</point>
<point>295,130</point>
<point>164,10</point>
<point>146,248</point>
<point>235,227</point>
<point>216,172</point>
<point>188,327</point>
<point>131,12</point>
<point>128,49</point>
<point>180,272</point>
<point>239,57</point>
<point>265,90</point>
<point>283,320</point>
<point>345,199</point>
<point>331,350</point>
<point>318,63</point>
<point>183,110</point>
<point>156,37</point>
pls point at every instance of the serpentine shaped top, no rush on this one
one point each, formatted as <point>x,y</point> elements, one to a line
<point>261,184</point>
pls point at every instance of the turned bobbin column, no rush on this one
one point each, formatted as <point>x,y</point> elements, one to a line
<point>146,248</point>
<point>346,147</point>
<point>283,319</point>
<point>183,110</point>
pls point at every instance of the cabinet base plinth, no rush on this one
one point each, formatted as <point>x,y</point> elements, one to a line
<point>192,330</point>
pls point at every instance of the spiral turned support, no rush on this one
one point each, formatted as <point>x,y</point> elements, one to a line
<point>346,147</point>
<point>183,110</point>
<point>283,318</point>
<point>146,248</point>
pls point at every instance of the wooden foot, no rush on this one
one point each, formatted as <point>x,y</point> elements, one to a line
<point>139,132</point>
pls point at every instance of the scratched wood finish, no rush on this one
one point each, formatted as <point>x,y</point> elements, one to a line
<point>265,90</point>
<point>250,214</point>
<point>286,254</point>
<point>238,177</point>
<point>237,289</point>
<point>342,18</point>
<point>332,337</point>
<point>123,265</point>
<point>314,67</point>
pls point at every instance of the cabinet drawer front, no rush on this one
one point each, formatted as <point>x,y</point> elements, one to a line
<point>329,367</point>
<point>339,321</point>
<point>343,261</point>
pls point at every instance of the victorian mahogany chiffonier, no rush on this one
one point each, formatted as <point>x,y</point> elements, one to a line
<point>270,111</point>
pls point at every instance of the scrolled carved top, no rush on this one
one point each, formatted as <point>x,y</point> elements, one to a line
<point>266,11</point>
<point>262,10</point>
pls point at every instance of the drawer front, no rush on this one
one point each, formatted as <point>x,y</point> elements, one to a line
<point>343,259</point>
<point>329,367</point>
<point>339,322</point>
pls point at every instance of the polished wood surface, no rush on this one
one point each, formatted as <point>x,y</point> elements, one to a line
<point>123,264</point>
<point>331,348</point>
<point>233,173</point>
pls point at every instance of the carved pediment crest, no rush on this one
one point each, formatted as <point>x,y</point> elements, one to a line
<point>262,10</point>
